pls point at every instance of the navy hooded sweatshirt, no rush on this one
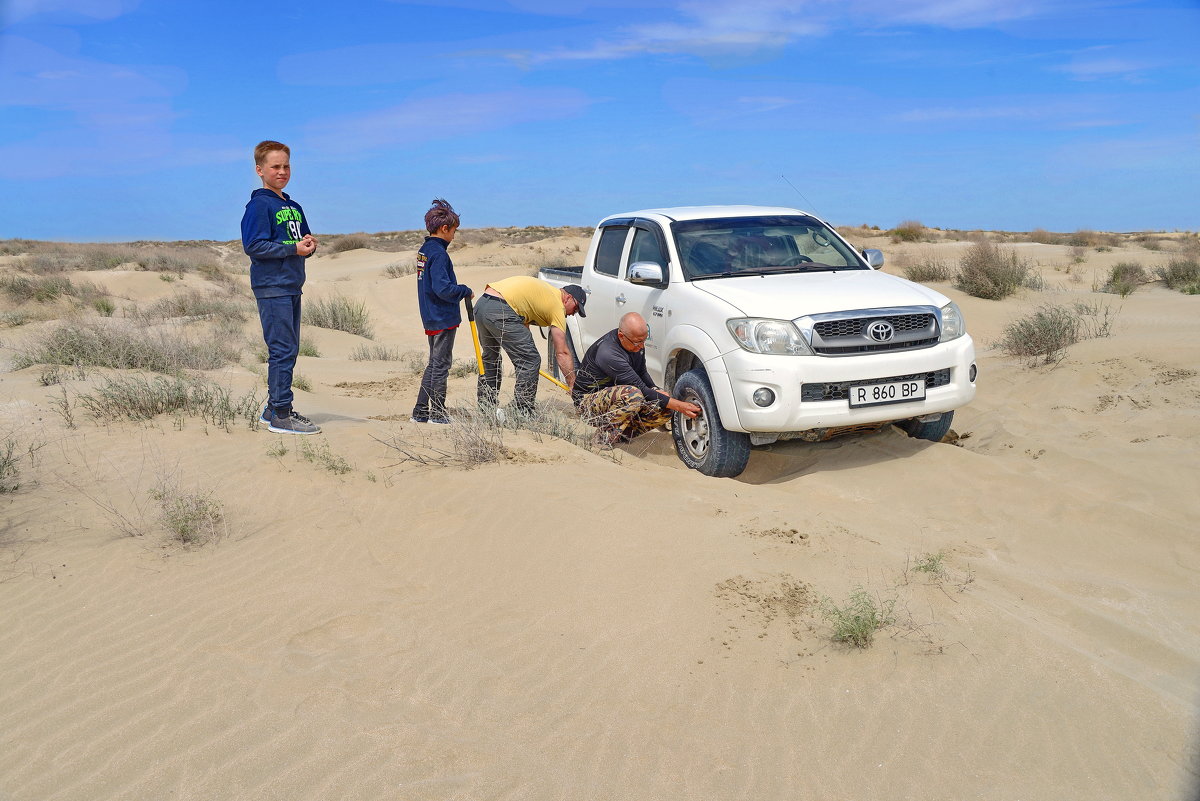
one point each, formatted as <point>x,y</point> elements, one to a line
<point>271,227</point>
<point>438,290</point>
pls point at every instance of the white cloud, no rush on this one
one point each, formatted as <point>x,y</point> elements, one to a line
<point>446,116</point>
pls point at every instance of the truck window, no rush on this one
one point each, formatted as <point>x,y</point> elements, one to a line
<point>608,252</point>
<point>646,247</point>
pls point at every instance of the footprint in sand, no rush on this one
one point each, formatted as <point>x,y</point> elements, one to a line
<point>335,640</point>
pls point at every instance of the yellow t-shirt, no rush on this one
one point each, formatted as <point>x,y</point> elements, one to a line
<point>534,300</point>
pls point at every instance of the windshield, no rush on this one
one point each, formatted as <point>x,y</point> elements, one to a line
<point>759,246</point>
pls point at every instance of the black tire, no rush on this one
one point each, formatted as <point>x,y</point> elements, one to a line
<point>702,442</point>
<point>934,432</point>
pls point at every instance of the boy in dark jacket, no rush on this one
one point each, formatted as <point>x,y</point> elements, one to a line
<point>438,295</point>
<point>276,237</point>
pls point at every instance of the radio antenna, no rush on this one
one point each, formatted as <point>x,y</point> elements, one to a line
<point>808,203</point>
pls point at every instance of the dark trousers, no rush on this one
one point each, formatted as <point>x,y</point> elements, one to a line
<point>280,318</point>
<point>502,328</point>
<point>431,399</point>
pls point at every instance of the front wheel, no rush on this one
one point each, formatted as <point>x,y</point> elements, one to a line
<point>933,431</point>
<point>702,442</point>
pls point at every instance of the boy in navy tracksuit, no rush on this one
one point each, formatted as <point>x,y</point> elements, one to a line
<point>438,295</point>
<point>276,237</point>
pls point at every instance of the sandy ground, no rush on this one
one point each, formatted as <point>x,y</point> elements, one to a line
<point>570,624</point>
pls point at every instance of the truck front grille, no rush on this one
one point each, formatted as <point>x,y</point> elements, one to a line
<point>850,336</point>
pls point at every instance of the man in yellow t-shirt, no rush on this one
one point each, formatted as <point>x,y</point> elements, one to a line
<point>503,315</point>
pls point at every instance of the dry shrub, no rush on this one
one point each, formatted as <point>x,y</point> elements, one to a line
<point>928,267</point>
<point>191,518</point>
<point>1093,239</point>
<point>1045,334</point>
<point>1044,237</point>
<point>399,269</point>
<point>908,231</point>
<point>350,242</point>
<point>990,271</point>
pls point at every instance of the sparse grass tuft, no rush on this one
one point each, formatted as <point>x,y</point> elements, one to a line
<point>378,353</point>
<point>1124,277</point>
<point>308,348</point>
<point>463,367</point>
<point>104,343</point>
<point>339,313</point>
<point>10,470</point>
<point>399,269</point>
<point>320,454</point>
<point>856,621</point>
<point>991,271</point>
<point>1044,335</point>
<point>138,398</point>
<point>191,518</point>
<point>192,303</point>
<point>932,564</point>
<point>301,383</point>
<point>1182,274</point>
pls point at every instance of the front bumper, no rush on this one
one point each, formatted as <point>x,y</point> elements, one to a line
<point>785,375</point>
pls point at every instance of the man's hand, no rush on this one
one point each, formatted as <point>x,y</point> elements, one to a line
<point>683,407</point>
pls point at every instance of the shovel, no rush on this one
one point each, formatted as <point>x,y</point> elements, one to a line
<point>474,335</point>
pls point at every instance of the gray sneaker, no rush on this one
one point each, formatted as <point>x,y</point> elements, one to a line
<point>292,424</point>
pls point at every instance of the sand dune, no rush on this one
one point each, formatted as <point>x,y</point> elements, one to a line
<point>571,624</point>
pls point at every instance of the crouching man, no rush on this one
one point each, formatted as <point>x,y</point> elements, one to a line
<point>613,391</point>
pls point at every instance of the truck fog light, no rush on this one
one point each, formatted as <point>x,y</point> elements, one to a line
<point>764,397</point>
<point>973,373</point>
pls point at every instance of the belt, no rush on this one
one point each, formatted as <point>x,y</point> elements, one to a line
<point>493,297</point>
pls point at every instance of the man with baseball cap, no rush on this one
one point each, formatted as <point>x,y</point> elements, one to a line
<point>503,315</point>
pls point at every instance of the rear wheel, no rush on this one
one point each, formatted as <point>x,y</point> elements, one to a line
<point>933,431</point>
<point>702,442</point>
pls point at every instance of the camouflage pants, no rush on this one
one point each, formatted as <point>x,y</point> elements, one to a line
<point>621,410</point>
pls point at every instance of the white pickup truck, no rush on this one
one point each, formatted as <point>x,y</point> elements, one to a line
<point>775,325</point>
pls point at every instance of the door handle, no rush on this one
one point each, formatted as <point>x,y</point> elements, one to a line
<point>621,299</point>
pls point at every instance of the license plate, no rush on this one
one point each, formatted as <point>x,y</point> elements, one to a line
<point>891,392</point>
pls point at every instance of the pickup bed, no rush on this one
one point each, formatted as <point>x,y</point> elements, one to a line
<point>775,326</point>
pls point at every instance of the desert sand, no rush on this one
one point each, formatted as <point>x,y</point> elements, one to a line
<point>574,624</point>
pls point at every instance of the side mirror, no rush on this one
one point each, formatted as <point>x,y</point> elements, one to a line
<point>874,258</point>
<point>647,273</point>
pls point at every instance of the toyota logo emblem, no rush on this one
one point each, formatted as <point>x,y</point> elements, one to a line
<point>880,330</point>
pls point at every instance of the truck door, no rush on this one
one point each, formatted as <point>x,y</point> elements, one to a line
<point>604,307</point>
<point>647,245</point>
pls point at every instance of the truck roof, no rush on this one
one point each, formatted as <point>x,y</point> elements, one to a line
<point>709,212</point>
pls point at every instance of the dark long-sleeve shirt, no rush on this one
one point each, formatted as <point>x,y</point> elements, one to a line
<point>438,290</point>
<point>607,364</point>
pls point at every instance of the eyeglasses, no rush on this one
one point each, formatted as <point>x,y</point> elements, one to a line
<point>633,341</point>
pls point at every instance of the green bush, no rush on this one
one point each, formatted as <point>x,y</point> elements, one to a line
<point>991,271</point>
<point>192,518</point>
<point>856,621</point>
<point>1123,278</point>
<point>378,353</point>
<point>1182,274</point>
<point>193,303</point>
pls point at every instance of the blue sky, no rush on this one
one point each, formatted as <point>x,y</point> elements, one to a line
<point>126,119</point>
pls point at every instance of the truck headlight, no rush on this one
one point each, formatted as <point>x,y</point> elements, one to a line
<point>953,325</point>
<point>768,336</point>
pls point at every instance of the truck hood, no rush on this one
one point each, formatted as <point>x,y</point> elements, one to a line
<point>787,297</point>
